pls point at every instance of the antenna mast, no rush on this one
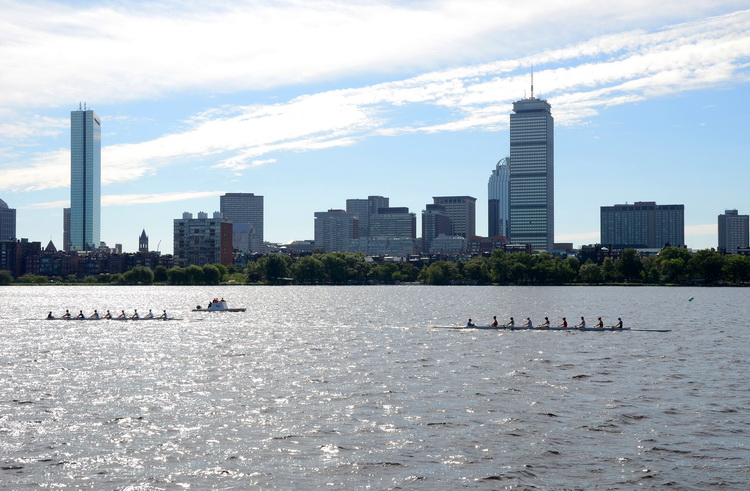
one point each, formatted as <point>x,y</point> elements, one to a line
<point>532,81</point>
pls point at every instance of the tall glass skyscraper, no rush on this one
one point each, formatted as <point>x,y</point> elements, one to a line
<point>532,198</point>
<point>498,194</point>
<point>85,179</point>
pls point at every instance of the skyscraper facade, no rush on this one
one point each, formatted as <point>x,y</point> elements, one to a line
<point>498,199</point>
<point>85,180</point>
<point>643,224</point>
<point>203,240</point>
<point>245,211</point>
<point>334,229</point>
<point>435,222</point>
<point>364,209</point>
<point>7,222</point>
<point>462,211</point>
<point>734,231</point>
<point>531,167</point>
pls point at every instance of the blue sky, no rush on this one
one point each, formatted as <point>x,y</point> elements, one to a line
<point>311,103</point>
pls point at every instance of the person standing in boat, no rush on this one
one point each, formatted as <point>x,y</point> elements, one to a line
<point>511,323</point>
<point>545,323</point>
<point>494,321</point>
<point>619,324</point>
<point>564,323</point>
<point>582,323</point>
<point>600,322</point>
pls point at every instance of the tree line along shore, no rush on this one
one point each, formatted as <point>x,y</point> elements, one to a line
<point>672,266</point>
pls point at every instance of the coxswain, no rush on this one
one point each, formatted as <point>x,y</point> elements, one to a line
<point>545,323</point>
<point>600,323</point>
<point>582,323</point>
<point>469,324</point>
<point>511,323</point>
<point>50,316</point>
<point>494,321</point>
<point>564,323</point>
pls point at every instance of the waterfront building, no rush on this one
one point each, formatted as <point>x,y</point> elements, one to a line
<point>435,221</point>
<point>7,222</point>
<point>85,180</point>
<point>452,245</point>
<point>385,246</point>
<point>643,224</point>
<point>393,223</point>
<point>734,232</point>
<point>334,229</point>
<point>66,230</point>
<point>531,167</point>
<point>364,209</point>
<point>245,211</point>
<point>498,199</point>
<point>462,212</point>
<point>202,240</point>
<point>142,242</point>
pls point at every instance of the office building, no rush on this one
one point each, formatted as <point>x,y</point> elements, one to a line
<point>531,167</point>
<point>734,232</point>
<point>202,240</point>
<point>7,222</point>
<point>498,199</point>
<point>393,223</point>
<point>245,211</point>
<point>643,224</point>
<point>435,221</point>
<point>66,230</point>
<point>364,209</point>
<point>85,180</point>
<point>334,229</point>
<point>462,212</point>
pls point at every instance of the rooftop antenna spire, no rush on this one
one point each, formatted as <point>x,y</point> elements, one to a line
<point>532,80</point>
<point>79,105</point>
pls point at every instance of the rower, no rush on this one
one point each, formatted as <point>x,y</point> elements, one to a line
<point>600,323</point>
<point>135,315</point>
<point>50,316</point>
<point>618,325</point>
<point>469,324</point>
<point>108,315</point>
<point>163,315</point>
<point>66,315</point>
<point>80,315</point>
<point>583,322</point>
<point>494,321</point>
<point>545,323</point>
<point>95,315</point>
<point>564,323</point>
<point>528,323</point>
<point>150,314</point>
<point>122,315</point>
<point>511,323</point>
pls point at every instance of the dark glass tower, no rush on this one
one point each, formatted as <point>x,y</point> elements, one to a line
<point>85,180</point>
<point>532,198</point>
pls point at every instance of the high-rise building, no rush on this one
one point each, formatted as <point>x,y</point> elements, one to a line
<point>643,224</point>
<point>66,229</point>
<point>462,212</point>
<point>364,209</point>
<point>85,179</point>
<point>202,240</point>
<point>532,197</point>
<point>245,211</point>
<point>7,222</point>
<point>334,229</point>
<point>734,231</point>
<point>394,222</point>
<point>498,199</point>
<point>435,222</point>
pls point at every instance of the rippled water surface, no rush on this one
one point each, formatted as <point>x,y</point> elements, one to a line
<point>348,387</point>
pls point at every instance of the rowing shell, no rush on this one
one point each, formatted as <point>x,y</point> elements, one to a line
<point>524,328</point>
<point>112,319</point>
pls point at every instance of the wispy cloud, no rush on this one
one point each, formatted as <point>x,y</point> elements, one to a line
<point>134,199</point>
<point>600,72</point>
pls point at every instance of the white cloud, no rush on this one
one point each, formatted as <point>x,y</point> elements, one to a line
<point>134,199</point>
<point>579,79</point>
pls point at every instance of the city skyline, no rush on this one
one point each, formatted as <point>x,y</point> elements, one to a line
<point>649,105</point>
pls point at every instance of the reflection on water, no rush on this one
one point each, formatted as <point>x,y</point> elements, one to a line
<point>352,386</point>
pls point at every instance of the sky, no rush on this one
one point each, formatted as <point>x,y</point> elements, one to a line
<point>312,103</point>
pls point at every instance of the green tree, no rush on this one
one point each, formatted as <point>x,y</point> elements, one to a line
<point>651,270</point>
<point>177,276</point>
<point>276,268</point>
<point>160,274</point>
<point>336,268</point>
<point>590,272</point>
<point>630,265</point>
<point>5,277</point>
<point>707,264</point>
<point>610,272</point>
<point>736,269</point>
<point>194,275</point>
<point>211,275</point>
<point>440,273</point>
<point>308,270</point>
<point>476,271</point>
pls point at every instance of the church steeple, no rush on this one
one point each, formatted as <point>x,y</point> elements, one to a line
<point>143,242</point>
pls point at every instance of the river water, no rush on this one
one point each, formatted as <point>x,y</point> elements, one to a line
<point>354,387</point>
